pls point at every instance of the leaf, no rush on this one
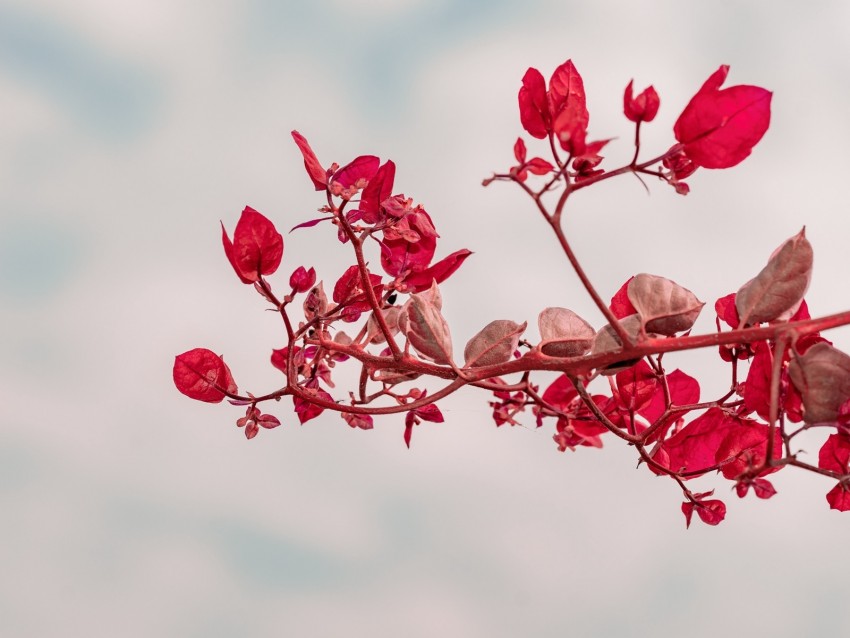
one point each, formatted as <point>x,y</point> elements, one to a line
<point>533,104</point>
<point>377,190</point>
<point>494,344</point>
<point>711,511</point>
<point>719,128</point>
<point>834,455</point>
<point>426,329</point>
<point>664,306</point>
<point>354,176</point>
<point>564,333</point>
<point>606,339</point>
<point>317,174</point>
<point>745,448</point>
<point>202,375</point>
<point>439,272</point>
<point>357,420</point>
<point>839,498</point>
<point>256,249</point>
<point>777,291</point>
<point>642,108</point>
<point>637,386</point>
<point>301,280</point>
<point>620,305</point>
<point>694,447</point>
<point>822,375</point>
<point>568,106</point>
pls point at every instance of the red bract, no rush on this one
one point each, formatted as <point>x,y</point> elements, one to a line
<point>534,105</point>
<point>620,304</point>
<point>349,290</point>
<point>354,176</point>
<point>318,175</point>
<point>439,272</point>
<point>378,189</point>
<point>642,108</point>
<point>710,511</point>
<point>423,413</point>
<point>719,128</point>
<point>201,374</point>
<point>302,280</point>
<point>256,249</point>
<point>561,110</point>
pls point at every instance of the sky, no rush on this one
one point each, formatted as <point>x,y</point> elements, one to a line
<point>131,129</point>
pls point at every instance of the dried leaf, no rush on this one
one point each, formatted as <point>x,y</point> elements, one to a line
<point>494,344</point>
<point>664,306</point>
<point>822,375</point>
<point>564,333</point>
<point>777,291</point>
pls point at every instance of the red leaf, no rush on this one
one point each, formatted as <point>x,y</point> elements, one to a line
<point>719,128</point>
<point>355,420</point>
<point>302,280</point>
<point>439,272</point>
<point>256,248</point>
<point>839,498</point>
<point>620,305</point>
<point>636,386</point>
<point>377,190</point>
<point>317,174</point>
<point>519,150</point>
<point>567,103</point>
<point>757,386</point>
<point>561,393</point>
<point>539,166</point>
<point>712,511</point>
<point>745,448</point>
<point>307,410</point>
<point>642,108</point>
<point>409,244</point>
<point>354,176</point>
<point>430,413</point>
<point>684,390</point>
<point>202,375</point>
<point>533,104</point>
<point>694,447</point>
<point>835,454</point>
<point>726,310</point>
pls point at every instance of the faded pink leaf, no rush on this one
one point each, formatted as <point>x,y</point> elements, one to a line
<point>426,329</point>
<point>664,306</point>
<point>777,291</point>
<point>822,376</point>
<point>564,333</point>
<point>494,344</point>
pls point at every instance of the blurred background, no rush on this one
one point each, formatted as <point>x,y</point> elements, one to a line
<point>129,129</point>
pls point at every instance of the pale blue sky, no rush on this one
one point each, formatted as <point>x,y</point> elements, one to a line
<point>130,129</point>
